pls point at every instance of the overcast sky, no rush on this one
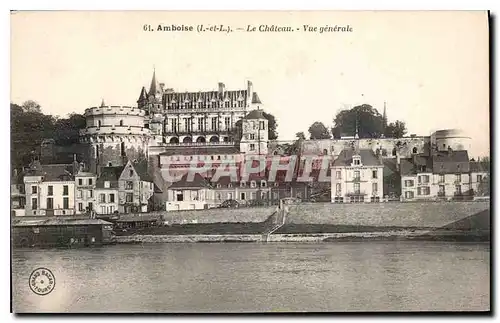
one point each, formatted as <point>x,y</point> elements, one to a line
<point>430,67</point>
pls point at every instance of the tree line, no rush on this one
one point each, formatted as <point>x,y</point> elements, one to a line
<point>30,126</point>
<point>368,122</point>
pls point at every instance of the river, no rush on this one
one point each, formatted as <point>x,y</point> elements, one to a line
<point>255,277</point>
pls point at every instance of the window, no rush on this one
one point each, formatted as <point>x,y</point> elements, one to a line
<point>263,196</point>
<point>111,209</point>
<point>227,120</point>
<point>131,173</point>
<point>479,178</point>
<point>254,195</point>
<point>356,188</point>
<point>357,161</point>
<point>458,178</point>
<point>214,123</point>
<point>34,203</point>
<point>276,195</point>
<point>253,184</point>
<point>200,124</point>
<point>409,183</point>
<point>263,184</point>
<point>375,188</point>
<point>441,178</point>
<point>252,146</point>
<point>50,203</point>
<point>90,181</point>
<point>251,136</point>
<point>338,188</point>
<point>80,206</point>
<point>91,206</point>
<point>111,198</point>
<point>102,198</point>
<point>65,203</point>
<point>50,191</point>
<point>458,189</point>
<point>103,210</point>
<point>129,185</point>
<point>90,194</point>
<point>229,196</point>
<point>34,189</point>
<point>356,175</point>
<point>230,185</point>
<point>409,195</point>
<point>242,196</point>
<point>424,179</point>
<point>262,125</point>
<point>338,174</point>
<point>129,197</point>
<point>218,196</point>
<point>98,123</point>
<point>65,190</point>
<point>79,194</point>
<point>80,181</point>
<point>374,174</point>
<point>106,184</point>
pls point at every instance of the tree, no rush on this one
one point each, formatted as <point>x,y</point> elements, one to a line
<point>31,106</point>
<point>272,125</point>
<point>318,131</point>
<point>395,129</point>
<point>365,118</point>
<point>67,131</point>
<point>483,188</point>
<point>300,135</point>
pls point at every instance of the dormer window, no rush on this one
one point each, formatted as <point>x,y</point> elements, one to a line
<point>356,160</point>
<point>243,184</point>
<point>263,184</point>
<point>253,184</point>
<point>229,185</point>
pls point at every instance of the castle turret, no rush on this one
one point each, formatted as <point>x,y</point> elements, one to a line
<point>115,134</point>
<point>255,133</point>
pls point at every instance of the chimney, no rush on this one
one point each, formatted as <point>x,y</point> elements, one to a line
<point>398,161</point>
<point>221,88</point>
<point>249,90</point>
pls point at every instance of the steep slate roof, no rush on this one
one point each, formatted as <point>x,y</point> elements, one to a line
<point>390,166</point>
<point>452,161</point>
<point>197,182</point>
<point>141,168</point>
<point>255,98</point>
<point>111,175</point>
<point>53,172</point>
<point>205,96</point>
<point>407,168</point>
<point>208,150</point>
<point>477,167</point>
<point>143,95</point>
<point>368,158</point>
<point>255,114</point>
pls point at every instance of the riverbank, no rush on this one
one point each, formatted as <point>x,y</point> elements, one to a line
<point>389,235</point>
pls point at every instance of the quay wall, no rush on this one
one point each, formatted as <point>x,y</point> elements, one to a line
<point>420,215</point>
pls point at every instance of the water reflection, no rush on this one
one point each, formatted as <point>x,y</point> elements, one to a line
<point>355,276</point>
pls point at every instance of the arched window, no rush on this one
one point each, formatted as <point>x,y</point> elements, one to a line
<point>325,152</point>
<point>415,150</point>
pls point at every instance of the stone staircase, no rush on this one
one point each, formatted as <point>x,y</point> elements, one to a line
<point>278,219</point>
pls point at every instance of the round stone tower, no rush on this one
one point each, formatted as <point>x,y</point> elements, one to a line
<point>115,134</point>
<point>454,139</point>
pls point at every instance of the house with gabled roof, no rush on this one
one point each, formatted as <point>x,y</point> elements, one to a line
<point>50,189</point>
<point>357,176</point>
<point>191,192</point>
<point>135,188</point>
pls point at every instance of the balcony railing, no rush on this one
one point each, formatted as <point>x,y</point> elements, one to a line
<point>205,110</point>
<point>197,144</point>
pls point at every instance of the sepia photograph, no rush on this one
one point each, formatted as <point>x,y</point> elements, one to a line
<point>216,162</point>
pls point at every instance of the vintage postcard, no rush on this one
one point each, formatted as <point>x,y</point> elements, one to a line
<point>250,161</point>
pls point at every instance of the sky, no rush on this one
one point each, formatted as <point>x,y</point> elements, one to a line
<point>431,68</point>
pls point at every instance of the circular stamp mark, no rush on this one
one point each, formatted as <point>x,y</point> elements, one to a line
<point>42,281</point>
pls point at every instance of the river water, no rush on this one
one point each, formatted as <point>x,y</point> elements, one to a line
<point>254,277</point>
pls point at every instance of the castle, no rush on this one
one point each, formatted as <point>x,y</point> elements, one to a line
<point>169,130</point>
